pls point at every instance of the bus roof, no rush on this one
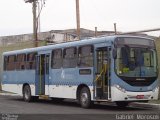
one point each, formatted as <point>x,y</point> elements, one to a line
<point>70,44</point>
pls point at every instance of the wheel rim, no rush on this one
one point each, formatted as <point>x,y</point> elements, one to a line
<point>84,98</point>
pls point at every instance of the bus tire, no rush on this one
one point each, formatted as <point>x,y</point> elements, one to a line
<point>85,98</point>
<point>122,104</point>
<point>27,94</point>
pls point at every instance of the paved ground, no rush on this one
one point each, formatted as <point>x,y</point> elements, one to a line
<point>44,109</point>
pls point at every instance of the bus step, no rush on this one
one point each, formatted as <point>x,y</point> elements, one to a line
<point>44,97</point>
<point>99,87</point>
<point>102,100</point>
<point>105,95</point>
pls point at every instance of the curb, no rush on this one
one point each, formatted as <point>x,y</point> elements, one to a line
<point>146,105</point>
<point>7,94</point>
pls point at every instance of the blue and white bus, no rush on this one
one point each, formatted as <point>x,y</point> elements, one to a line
<point>119,69</point>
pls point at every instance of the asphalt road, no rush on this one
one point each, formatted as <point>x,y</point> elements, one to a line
<point>14,106</point>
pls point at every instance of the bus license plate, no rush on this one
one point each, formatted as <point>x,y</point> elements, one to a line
<point>140,96</point>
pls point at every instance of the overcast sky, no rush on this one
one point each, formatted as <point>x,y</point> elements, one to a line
<point>130,15</point>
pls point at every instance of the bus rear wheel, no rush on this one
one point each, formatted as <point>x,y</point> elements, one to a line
<point>27,93</point>
<point>85,98</point>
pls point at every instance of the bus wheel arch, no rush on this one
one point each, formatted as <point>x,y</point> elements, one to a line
<point>83,90</point>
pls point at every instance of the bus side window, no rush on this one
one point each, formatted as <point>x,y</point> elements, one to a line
<point>56,59</point>
<point>85,56</point>
<point>5,62</point>
<point>31,61</point>
<point>11,65</point>
<point>21,62</point>
<point>70,57</point>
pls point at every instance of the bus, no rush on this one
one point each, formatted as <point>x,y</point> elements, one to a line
<point>118,68</point>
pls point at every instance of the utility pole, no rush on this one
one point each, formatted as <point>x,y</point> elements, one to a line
<point>78,19</point>
<point>95,31</point>
<point>36,18</point>
<point>35,23</point>
<point>115,28</point>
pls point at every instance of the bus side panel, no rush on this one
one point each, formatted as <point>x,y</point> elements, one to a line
<point>64,82</point>
<point>13,81</point>
<point>61,91</point>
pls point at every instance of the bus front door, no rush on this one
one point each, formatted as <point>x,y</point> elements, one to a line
<point>42,74</point>
<point>102,82</point>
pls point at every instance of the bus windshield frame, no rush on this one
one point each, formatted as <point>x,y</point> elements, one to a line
<point>135,58</point>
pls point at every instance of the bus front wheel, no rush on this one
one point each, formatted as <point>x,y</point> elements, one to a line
<point>27,93</point>
<point>85,98</point>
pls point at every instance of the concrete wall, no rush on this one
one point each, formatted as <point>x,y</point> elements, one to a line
<point>51,36</point>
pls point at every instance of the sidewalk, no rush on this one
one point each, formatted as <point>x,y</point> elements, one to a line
<point>146,105</point>
<point>7,93</point>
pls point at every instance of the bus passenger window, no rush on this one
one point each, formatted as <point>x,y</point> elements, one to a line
<point>5,62</point>
<point>31,58</point>
<point>11,63</point>
<point>70,57</point>
<point>85,56</point>
<point>56,59</point>
<point>21,62</point>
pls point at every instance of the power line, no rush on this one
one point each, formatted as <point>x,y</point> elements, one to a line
<point>142,31</point>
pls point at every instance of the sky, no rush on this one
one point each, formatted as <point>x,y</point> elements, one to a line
<point>129,15</point>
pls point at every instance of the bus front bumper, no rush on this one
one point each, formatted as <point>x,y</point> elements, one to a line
<point>119,94</point>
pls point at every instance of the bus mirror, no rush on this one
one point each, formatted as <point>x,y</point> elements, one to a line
<point>114,53</point>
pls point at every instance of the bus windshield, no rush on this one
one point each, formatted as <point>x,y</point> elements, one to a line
<point>136,61</point>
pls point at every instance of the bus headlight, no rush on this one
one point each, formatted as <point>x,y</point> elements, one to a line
<point>120,88</point>
<point>156,89</point>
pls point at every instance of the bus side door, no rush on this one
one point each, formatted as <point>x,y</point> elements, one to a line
<point>102,72</point>
<point>42,74</point>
